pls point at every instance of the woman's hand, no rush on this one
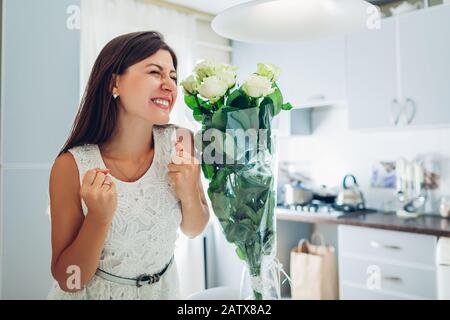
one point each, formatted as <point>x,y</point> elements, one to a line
<point>100,195</point>
<point>184,174</point>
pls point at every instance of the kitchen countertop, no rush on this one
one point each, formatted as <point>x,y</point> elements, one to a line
<point>425,224</point>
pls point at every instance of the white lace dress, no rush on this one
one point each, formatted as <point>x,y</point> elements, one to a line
<point>143,232</point>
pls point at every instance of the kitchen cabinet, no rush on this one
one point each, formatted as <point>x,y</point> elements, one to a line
<point>315,72</point>
<point>385,264</point>
<point>398,75</point>
<point>41,66</point>
<point>424,46</point>
<point>312,72</point>
<point>312,75</point>
<point>371,76</point>
<point>293,122</point>
<point>40,98</point>
<point>26,235</point>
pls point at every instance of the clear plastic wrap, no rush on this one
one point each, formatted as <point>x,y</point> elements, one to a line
<point>242,191</point>
<point>238,158</point>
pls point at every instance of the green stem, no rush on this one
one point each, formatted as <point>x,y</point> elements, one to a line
<point>254,268</point>
<point>258,296</point>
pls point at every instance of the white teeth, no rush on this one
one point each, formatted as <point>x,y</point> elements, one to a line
<point>161,102</point>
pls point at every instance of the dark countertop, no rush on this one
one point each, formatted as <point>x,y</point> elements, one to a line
<point>425,224</point>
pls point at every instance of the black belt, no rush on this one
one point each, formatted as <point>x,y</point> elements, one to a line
<point>139,281</point>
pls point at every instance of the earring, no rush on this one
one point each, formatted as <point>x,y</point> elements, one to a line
<point>115,95</point>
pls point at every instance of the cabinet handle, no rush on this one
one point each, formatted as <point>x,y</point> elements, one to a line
<point>395,111</point>
<point>412,105</point>
<point>392,279</point>
<point>375,244</point>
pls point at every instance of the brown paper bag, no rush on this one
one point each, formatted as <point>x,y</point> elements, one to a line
<point>313,272</point>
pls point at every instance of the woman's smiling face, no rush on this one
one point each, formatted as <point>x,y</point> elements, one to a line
<point>148,89</point>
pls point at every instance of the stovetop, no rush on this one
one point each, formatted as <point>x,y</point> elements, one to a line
<point>322,209</point>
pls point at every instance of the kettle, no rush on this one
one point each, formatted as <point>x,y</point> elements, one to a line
<point>350,196</point>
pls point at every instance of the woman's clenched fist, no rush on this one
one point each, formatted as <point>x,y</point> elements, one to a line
<point>100,195</point>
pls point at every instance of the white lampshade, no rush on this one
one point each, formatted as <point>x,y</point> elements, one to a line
<point>275,21</point>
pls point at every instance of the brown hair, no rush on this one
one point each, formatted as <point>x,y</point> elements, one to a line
<point>98,113</point>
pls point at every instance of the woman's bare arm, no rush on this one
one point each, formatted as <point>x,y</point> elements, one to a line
<point>77,241</point>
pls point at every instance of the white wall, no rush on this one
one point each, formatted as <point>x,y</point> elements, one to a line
<point>333,151</point>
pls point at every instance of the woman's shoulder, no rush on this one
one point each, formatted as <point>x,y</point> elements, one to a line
<point>64,161</point>
<point>64,170</point>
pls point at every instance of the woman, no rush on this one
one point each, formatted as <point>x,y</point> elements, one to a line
<point>117,192</point>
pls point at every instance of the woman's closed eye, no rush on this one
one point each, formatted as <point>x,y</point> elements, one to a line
<point>159,74</point>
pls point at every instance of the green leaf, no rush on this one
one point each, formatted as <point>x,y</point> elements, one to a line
<point>241,101</point>
<point>208,170</point>
<point>221,205</point>
<point>240,232</point>
<point>277,100</point>
<point>233,95</point>
<point>227,109</point>
<point>219,182</point>
<point>207,122</point>
<point>219,104</point>
<point>287,106</point>
<point>191,102</point>
<point>240,254</point>
<point>198,115</point>
<point>219,120</point>
<point>203,105</point>
<point>248,212</point>
<point>243,119</point>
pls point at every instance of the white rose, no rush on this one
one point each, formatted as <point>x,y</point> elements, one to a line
<point>204,69</point>
<point>213,88</point>
<point>190,85</point>
<point>227,73</point>
<point>268,70</point>
<point>258,86</point>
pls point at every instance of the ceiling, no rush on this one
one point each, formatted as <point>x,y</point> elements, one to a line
<point>209,6</point>
<point>216,6</point>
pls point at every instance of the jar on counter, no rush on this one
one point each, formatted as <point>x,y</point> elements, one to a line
<point>444,208</point>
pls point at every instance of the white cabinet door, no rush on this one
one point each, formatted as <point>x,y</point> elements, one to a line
<point>312,73</point>
<point>41,66</point>
<point>246,56</point>
<point>425,64</point>
<point>40,98</point>
<point>315,72</point>
<point>26,235</point>
<point>372,76</point>
<point>385,264</point>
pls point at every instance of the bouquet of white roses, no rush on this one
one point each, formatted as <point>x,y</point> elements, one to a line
<point>237,152</point>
